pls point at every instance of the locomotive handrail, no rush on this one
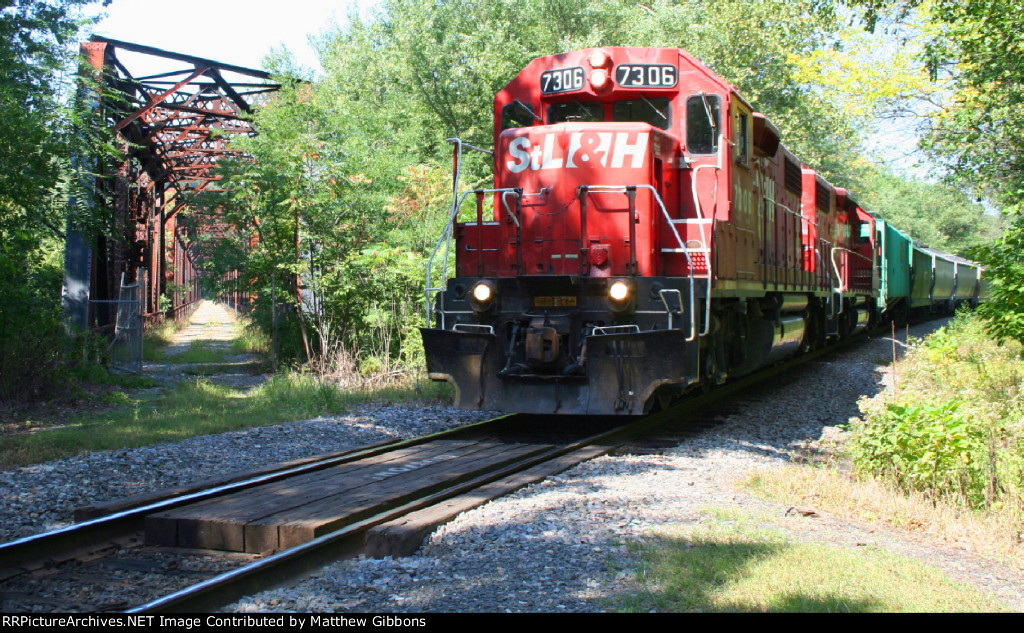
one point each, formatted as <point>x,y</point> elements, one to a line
<point>605,330</point>
<point>446,234</point>
<point>831,303</point>
<point>684,249</point>
<point>667,291</point>
<point>832,255</point>
<point>693,183</point>
<point>445,240</point>
<point>512,214</point>
<point>836,289</point>
<point>582,192</point>
<point>700,216</point>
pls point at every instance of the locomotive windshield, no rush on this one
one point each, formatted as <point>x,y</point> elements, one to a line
<point>656,111</point>
<point>643,110</point>
<point>575,111</point>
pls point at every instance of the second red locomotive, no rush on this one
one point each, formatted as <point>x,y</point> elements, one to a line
<point>647,233</point>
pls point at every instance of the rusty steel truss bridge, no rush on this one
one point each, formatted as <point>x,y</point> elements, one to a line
<point>172,117</point>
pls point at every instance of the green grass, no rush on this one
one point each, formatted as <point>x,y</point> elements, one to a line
<point>733,564</point>
<point>952,427</point>
<point>191,409</point>
<point>100,375</point>
<point>994,535</point>
<point>212,369</point>
<point>198,351</point>
<point>196,408</point>
<point>156,339</point>
<point>251,340</point>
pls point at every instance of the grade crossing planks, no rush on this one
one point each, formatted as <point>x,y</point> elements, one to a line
<point>290,512</point>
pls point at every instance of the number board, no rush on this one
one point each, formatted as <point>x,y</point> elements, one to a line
<point>554,302</point>
<point>646,75</point>
<point>561,80</point>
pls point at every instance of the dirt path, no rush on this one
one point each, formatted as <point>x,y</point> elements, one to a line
<point>203,348</point>
<point>212,325</point>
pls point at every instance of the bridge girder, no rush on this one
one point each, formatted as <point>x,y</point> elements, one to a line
<point>174,126</point>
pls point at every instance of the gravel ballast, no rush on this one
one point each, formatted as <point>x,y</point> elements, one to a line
<point>43,497</point>
<point>562,545</point>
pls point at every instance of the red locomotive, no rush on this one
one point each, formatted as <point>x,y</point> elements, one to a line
<point>647,233</point>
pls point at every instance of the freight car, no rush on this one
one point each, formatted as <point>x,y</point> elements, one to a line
<point>648,233</point>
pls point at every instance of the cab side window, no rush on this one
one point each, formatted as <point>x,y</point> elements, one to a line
<point>742,139</point>
<point>518,114</point>
<point>702,124</point>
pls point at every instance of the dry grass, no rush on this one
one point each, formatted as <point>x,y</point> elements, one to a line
<point>992,535</point>
<point>868,473</point>
<point>953,427</point>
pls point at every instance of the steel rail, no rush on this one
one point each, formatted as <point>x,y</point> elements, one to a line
<point>66,541</point>
<point>291,563</point>
<point>348,541</point>
<point>287,565</point>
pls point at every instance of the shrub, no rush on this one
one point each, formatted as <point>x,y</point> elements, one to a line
<point>955,427</point>
<point>927,448</point>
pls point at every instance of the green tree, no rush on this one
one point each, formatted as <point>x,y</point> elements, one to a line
<point>429,70</point>
<point>938,214</point>
<point>417,73</point>
<point>971,49</point>
<point>38,48</point>
<point>981,132</point>
<point>1004,262</point>
<point>420,72</point>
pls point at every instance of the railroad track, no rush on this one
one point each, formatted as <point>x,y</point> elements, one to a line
<point>58,571</point>
<point>157,551</point>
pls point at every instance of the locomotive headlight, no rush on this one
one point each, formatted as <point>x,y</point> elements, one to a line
<point>620,295</point>
<point>483,293</point>
<point>619,291</point>
<point>599,59</point>
<point>600,80</point>
<point>482,296</point>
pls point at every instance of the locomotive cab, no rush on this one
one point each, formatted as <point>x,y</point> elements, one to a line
<point>563,277</point>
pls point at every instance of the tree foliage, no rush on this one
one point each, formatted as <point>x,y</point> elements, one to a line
<point>348,186</point>
<point>429,70</point>
<point>970,51</point>
<point>1004,261</point>
<point>938,214</point>
<point>980,133</point>
<point>38,134</point>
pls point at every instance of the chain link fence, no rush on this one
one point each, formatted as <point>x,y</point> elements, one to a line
<point>126,347</point>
